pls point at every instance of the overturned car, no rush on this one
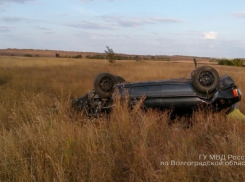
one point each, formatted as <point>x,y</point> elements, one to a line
<point>203,87</point>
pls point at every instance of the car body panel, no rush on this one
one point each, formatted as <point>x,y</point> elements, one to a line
<point>162,88</point>
<point>177,95</point>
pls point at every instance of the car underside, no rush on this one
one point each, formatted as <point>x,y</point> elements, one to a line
<point>182,96</point>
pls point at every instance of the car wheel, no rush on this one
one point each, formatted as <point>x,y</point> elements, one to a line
<point>120,79</point>
<point>104,83</point>
<point>205,79</point>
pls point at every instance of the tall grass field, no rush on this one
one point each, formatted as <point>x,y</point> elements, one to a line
<point>43,139</point>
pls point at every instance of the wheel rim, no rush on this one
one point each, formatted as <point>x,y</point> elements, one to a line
<point>206,78</point>
<point>106,84</point>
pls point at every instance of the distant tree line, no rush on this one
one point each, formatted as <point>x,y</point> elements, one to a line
<point>97,56</point>
<point>234,62</point>
<point>27,55</point>
<point>136,58</point>
<point>115,57</point>
<point>77,56</point>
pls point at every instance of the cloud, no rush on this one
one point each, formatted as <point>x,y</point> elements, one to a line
<point>239,14</point>
<point>85,11</point>
<point>43,28</point>
<point>165,20</point>
<point>209,35</point>
<point>6,29</point>
<point>14,1</point>
<point>115,22</point>
<point>91,25</point>
<point>137,22</point>
<point>11,19</point>
<point>86,1</point>
<point>63,14</point>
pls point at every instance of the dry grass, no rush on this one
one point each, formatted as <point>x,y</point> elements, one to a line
<point>42,139</point>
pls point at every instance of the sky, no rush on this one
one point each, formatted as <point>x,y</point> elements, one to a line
<point>204,28</point>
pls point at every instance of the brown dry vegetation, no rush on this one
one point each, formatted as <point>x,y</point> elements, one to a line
<point>42,139</point>
<point>52,53</point>
<point>42,53</point>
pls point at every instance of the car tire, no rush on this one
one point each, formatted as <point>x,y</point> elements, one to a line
<point>104,84</point>
<point>205,79</point>
<point>120,79</point>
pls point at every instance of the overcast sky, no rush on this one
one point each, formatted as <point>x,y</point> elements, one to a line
<point>210,28</point>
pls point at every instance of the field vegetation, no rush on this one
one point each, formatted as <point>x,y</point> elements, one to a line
<point>234,62</point>
<point>43,139</point>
